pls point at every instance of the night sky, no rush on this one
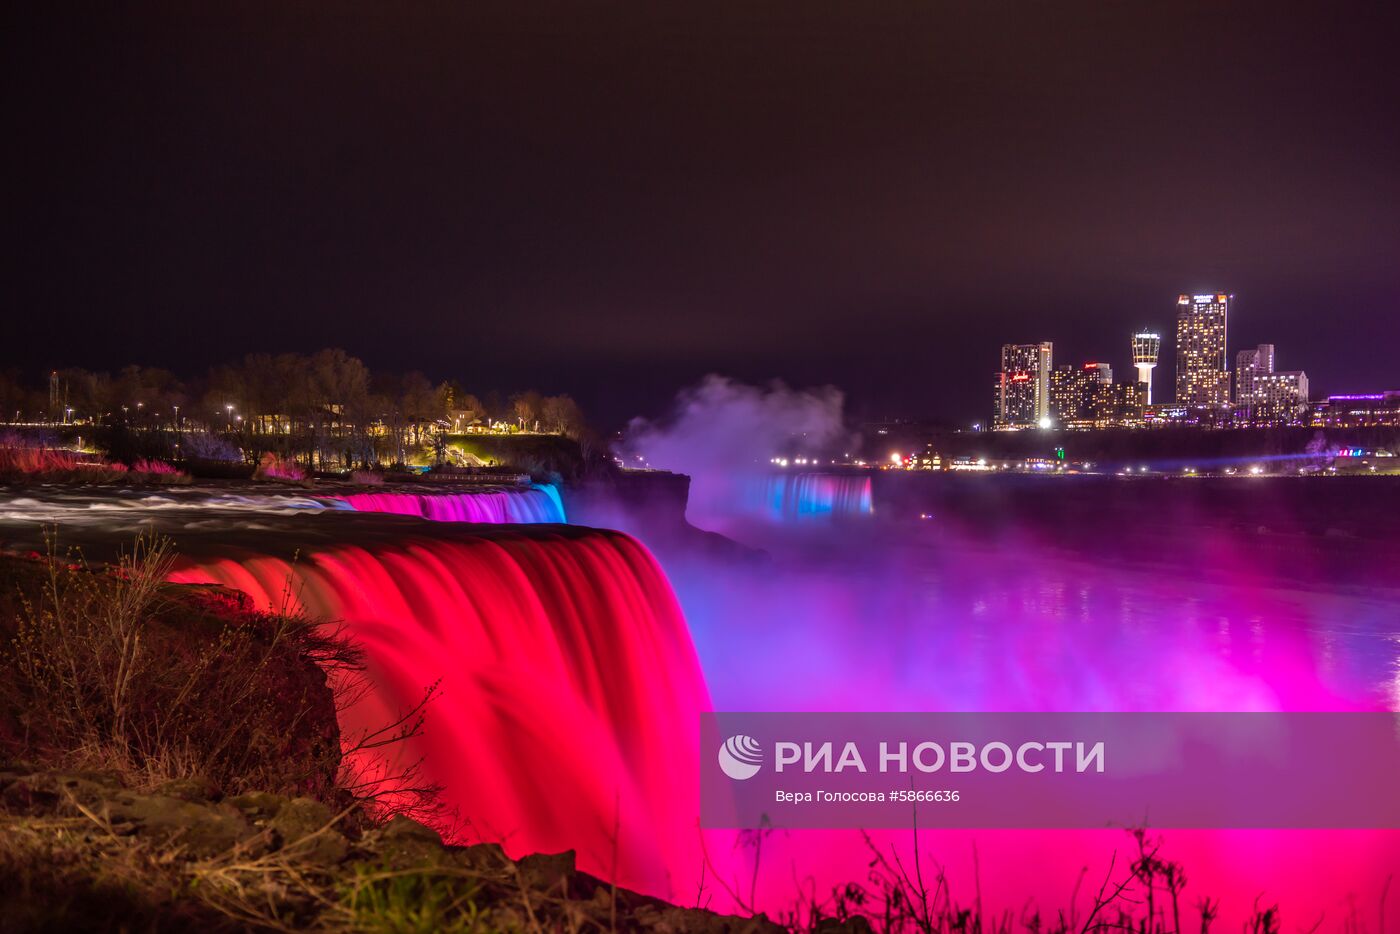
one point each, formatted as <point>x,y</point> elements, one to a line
<point>614,200</point>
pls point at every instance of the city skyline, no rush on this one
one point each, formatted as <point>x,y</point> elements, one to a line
<point>1026,393</point>
<point>1035,390</point>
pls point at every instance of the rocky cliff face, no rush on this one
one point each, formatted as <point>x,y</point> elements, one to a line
<point>650,504</point>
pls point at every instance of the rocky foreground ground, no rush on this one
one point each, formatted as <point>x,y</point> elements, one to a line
<point>79,851</point>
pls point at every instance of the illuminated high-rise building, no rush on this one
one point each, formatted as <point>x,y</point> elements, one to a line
<point>1127,402</point>
<point>1023,386</point>
<point>1082,396</point>
<point>1146,347</point>
<point>1202,371</point>
<point>1249,365</point>
<point>1066,394</point>
<point>1263,394</point>
<point>1099,377</point>
<point>1101,372</point>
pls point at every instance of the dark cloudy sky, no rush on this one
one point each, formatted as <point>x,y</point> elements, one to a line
<point>614,199</point>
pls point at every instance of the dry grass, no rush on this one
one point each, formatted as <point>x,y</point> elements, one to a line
<point>76,865</point>
<point>114,670</point>
<point>77,869</point>
<point>74,870</point>
<point>910,892</point>
<point>119,671</point>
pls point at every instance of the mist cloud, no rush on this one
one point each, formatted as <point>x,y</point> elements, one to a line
<point>724,433</point>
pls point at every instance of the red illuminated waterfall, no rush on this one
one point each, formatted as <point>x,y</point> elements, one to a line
<point>570,693</point>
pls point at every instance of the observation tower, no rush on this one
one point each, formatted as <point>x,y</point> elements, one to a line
<point>1146,346</point>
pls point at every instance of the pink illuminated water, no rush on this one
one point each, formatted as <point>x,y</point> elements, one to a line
<point>956,625</point>
<point>1072,598</point>
<point>538,504</point>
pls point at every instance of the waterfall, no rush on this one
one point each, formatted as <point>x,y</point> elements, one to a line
<point>570,689</point>
<point>813,496</point>
<point>540,503</point>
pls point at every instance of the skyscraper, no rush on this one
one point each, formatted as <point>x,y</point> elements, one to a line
<point>1263,394</point>
<point>1068,395</point>
<point>1202,371</point>
<point>1249,365</point>
<point>1023,386</point>
<point>1081,396</point>
<point>1099,377</point>
<point>1146,347</point>
<point>1126,402</point>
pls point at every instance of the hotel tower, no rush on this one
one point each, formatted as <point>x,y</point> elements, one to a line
<point>1202,372</point>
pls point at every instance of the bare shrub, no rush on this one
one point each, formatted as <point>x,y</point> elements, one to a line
<point>205,446</point>
<point>275,467</point>
<point>373,773</point>
<point>157,469</point>
<point>120,671</point>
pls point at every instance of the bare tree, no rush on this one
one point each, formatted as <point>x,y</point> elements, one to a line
<point>526,408</point>
<point>561,414</point>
